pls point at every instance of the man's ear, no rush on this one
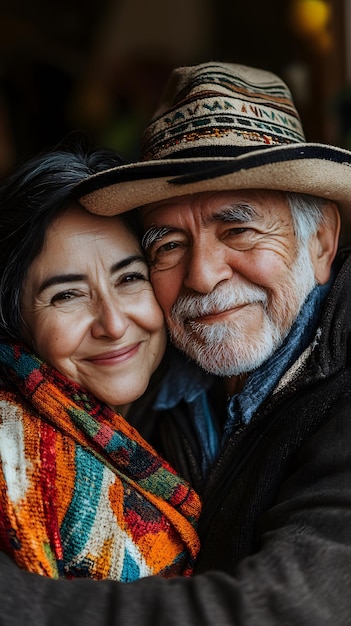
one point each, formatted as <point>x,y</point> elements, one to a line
<point>324,244</point>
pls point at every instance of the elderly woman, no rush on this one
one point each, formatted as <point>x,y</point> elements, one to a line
<point>82,494</point>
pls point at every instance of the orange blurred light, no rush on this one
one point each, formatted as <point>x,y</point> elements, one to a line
<point>309,18</point>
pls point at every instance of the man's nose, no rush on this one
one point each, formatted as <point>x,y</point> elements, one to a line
<point>207,267</point>
<point>109,320</point>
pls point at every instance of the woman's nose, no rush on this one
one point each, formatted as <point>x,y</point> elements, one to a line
<point>109,320</point>
<point>207,267</point>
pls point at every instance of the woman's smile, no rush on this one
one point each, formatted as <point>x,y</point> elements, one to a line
<point>114,357</point>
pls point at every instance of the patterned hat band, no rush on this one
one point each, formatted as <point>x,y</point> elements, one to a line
<point>213,112</point>
<point>223,126</point>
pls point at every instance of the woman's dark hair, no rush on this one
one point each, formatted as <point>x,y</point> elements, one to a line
<point>30,199</point>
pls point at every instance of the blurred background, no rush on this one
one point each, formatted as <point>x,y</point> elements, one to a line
<point>99,66</point>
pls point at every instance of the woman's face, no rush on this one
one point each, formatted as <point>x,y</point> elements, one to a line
<point>89,308</point>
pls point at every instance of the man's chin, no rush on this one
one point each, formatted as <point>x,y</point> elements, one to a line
<point>223,360</point>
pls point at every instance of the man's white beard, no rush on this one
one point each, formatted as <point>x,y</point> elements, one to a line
<point>224,348</point>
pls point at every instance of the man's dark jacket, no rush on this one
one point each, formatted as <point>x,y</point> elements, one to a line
<point>276,524</point>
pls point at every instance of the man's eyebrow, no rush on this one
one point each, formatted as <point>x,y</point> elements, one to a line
<point>155,233</point>
<point>240,212</point>
<point>59,279</point>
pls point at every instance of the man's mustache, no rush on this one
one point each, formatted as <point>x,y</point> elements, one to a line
<point>223,298</point>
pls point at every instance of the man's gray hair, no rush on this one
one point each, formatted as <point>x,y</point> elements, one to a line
<point>307,213</point>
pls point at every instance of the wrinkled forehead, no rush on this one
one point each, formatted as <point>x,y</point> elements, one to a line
<point>162,206</point>
<point>263,202</point>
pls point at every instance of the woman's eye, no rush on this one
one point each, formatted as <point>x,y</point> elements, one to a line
<point>64,296</point>
<point>134,277</point>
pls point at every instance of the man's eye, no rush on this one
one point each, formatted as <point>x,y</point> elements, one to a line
<point>242,233</point>
<point>239,231</point>
<point>240,238</point>
<point>166,247</point>
<point>165,255</point>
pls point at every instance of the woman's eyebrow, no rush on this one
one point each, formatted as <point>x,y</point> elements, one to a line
<point>135,258</point>
<point>59,279</point>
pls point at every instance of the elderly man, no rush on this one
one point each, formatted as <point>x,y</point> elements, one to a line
<point>242,229</point>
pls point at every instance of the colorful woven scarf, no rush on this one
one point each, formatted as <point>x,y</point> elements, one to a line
<point>81,492</point>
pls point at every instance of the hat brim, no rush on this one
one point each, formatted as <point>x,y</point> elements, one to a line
<point>310,168</point>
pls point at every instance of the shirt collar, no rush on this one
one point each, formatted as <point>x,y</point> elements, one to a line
<point>184,380</point>
<point>263,380</point>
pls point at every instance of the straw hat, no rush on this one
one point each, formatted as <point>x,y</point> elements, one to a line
<point>223,126</point>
